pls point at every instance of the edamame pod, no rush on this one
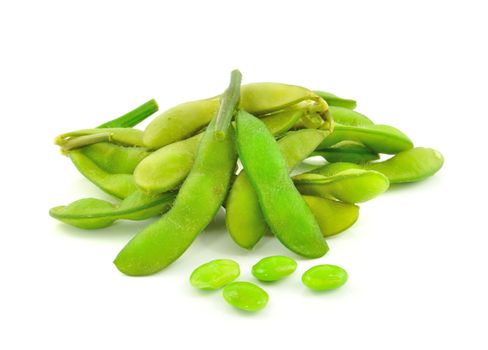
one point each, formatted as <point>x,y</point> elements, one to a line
<point>285,211</point>
<point>198,200</point>
<point>332,216</point>
<point>379,138</point>
<point>412,165</point>
<point>333,100</point>
<point>185,120</point>
<point>92,213</point>
<point>244,219</point>
<point>114,158</point>
<point>166,168</point>
<point>347,151</point>
<point>118,185</point>
<point>349,117</point>
<point>350,186</point>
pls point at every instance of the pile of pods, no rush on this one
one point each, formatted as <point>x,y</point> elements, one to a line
<point>184,166</point>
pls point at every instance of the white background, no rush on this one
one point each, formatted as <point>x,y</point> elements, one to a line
<point>417,257</point>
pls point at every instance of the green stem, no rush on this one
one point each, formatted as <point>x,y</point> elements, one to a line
<point>134,117</point>
<point>228,105</point>
<point>85,140</point>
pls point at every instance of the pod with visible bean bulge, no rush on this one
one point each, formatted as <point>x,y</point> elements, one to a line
<point>244,218</point>
<point>274,268</point>
<point>113,158</point>
<point>350,186</point>
<point>185,120</point>
<point>284,209</point>
<point>324,277</point>
<point>379,138</point>
<point>412,165</point>
<point>92,213</point>
<point>197,202</point>
<point>118,185</point>
<point>245,296</point>
<point>166,168</point>
<point>332,216</point>
<point>214,274</point>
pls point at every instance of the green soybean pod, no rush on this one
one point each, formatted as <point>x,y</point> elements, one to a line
<point>118,185</point>
<point>92,213</point>
<point>166,168</point>
<point>215,274</point>
<point>379,138</point>
<point>333,100</point>
<point>285,211</point>
<point>186,119</point>
<point>113,158</point>
<point>348,116</point>
<point>245,296</point>
<point>347,151</point>
<point>244,218</point>
<point>198,200</point>
<point>274,268</point>
<point>350,186</point>
<point>333,216</point>
<point>412,165</point>
<point>325,277</point>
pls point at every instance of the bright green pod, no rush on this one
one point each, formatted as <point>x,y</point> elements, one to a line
<point>349,117</point>
<point>379,138</point>
<point>332,216</point>
<point>245,296</point>
<point>325,277</point>
<point>92,213</point>
<point>347,151</point>
<point>244,218</point>
<point>113,158</point>
<point>166,168</point>
<point>412,165</point>
<point>118,185</point>
<point>198,200</point>
<point>285,211</point>
<point>333,100</point>
<point>187,119</point>
<point>274,268</point>
<point>215,274</point>
<point>350,186</point>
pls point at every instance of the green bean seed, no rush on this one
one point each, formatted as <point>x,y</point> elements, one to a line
<point>285,211</point>
<point>347,151</point>
<point>412,165</point>
<point>198,200</point>
<point>274,268</point>
<point>324,277</point>
<point>118,185</point>
<point>332,216</point>
<point>244,218</point>
<point>245,296</point>
<point>215,274</point>
<point>333,100</point>
<point>92,213</point>
<point>350,186</point>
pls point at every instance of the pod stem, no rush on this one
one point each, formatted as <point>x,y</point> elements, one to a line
<point>85,140</point>
<point>228,105</point>
<point>134,117</point>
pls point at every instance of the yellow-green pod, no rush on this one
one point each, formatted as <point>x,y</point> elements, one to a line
<point>350,186</point>
<point>332,216</point>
